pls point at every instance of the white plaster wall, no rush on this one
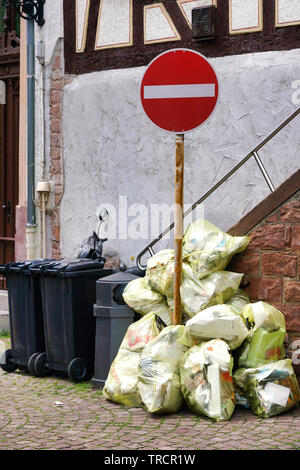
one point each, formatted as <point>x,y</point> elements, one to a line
<point>53,29</point>
<point>49,34</point>
<point>245,14</point>
<point>112,149</point>
<point>120,30</point>
<point>288,11</point>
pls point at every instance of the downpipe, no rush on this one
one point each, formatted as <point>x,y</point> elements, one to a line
<point>31,227</point>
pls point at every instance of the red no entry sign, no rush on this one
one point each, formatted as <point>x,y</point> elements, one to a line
<point>179,90</point>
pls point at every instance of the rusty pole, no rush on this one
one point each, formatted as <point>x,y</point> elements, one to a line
<point>178,226</point>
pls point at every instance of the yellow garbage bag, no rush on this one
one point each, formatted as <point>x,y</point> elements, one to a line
<point>262,347</point>
<point>261,314</point>
<point>158,372</point>
<point>209,249</point>
<point>270,389</point>
<point>197,294</point>
<point>121,383</point>
<point>217,288</point>
<point>206,380</point>
<point>217,322</point>
<point>139,296</point>
<point>156,271</point>
<point>264,343</point>
<point>239,300</point>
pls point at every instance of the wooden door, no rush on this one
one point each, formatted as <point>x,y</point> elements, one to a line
<point>9,133</point>
<point>9,143</point>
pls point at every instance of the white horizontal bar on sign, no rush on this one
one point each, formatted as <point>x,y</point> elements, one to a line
<point>201,90</point>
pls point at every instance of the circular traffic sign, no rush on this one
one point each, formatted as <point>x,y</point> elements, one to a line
<point>179,90</point>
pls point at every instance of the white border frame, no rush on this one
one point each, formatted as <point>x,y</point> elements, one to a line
<point>120,44</point>
<point>251,29</point>
<point>287,23</point>
<point>85,27</point>
<point>168,18</point>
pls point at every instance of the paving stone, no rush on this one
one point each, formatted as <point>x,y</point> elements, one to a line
<point>87,421</point>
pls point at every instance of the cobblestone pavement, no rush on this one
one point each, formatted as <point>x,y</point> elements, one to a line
<point>54,413</point>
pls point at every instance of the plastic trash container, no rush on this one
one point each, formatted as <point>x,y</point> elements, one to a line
<point>25,315</point>
<point>135,270</point>
<point>113,317</point>
<point>68,296</point>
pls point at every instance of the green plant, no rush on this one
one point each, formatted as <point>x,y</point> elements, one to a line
<point>4,334</point>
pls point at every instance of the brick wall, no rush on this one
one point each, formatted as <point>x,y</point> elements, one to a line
<point>55,170</point>
<point>271,264</point>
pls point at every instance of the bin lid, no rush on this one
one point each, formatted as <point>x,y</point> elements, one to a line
<point>118,277</point>
<point>119,311</point>
<point>23,266</point>
<point>4,267</point>
<point>73,265</point>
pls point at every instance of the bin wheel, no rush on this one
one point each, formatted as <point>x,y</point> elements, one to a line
<point>40,367</point>
<point>30,365</point>
<point>77,370</point>
<point>9,365</point>
<point>23,368</point>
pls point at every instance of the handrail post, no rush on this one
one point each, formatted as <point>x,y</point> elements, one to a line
<point>150,249</point>
<point>264,171</point>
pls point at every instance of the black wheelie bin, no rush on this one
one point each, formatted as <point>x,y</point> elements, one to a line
<point>68,296</point>
<point>25,315</point>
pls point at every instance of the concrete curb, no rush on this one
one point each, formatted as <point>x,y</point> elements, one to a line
<point>4,300</point>
<point>4,321</point>
<point>4,311</point>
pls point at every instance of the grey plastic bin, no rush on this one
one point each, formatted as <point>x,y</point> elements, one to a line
<point>113,317</point>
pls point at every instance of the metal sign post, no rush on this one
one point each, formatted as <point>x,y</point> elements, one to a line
<point>178,225</point>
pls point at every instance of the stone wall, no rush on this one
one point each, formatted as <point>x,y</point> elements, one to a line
<point>271,264</point>
<point>55,169</point>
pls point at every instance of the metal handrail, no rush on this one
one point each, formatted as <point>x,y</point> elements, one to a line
<point>252,153</point>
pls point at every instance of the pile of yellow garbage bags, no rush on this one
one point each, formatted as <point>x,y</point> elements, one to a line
<point>227,352</point>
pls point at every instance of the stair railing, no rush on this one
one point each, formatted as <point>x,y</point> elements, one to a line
<point>253,153</point>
